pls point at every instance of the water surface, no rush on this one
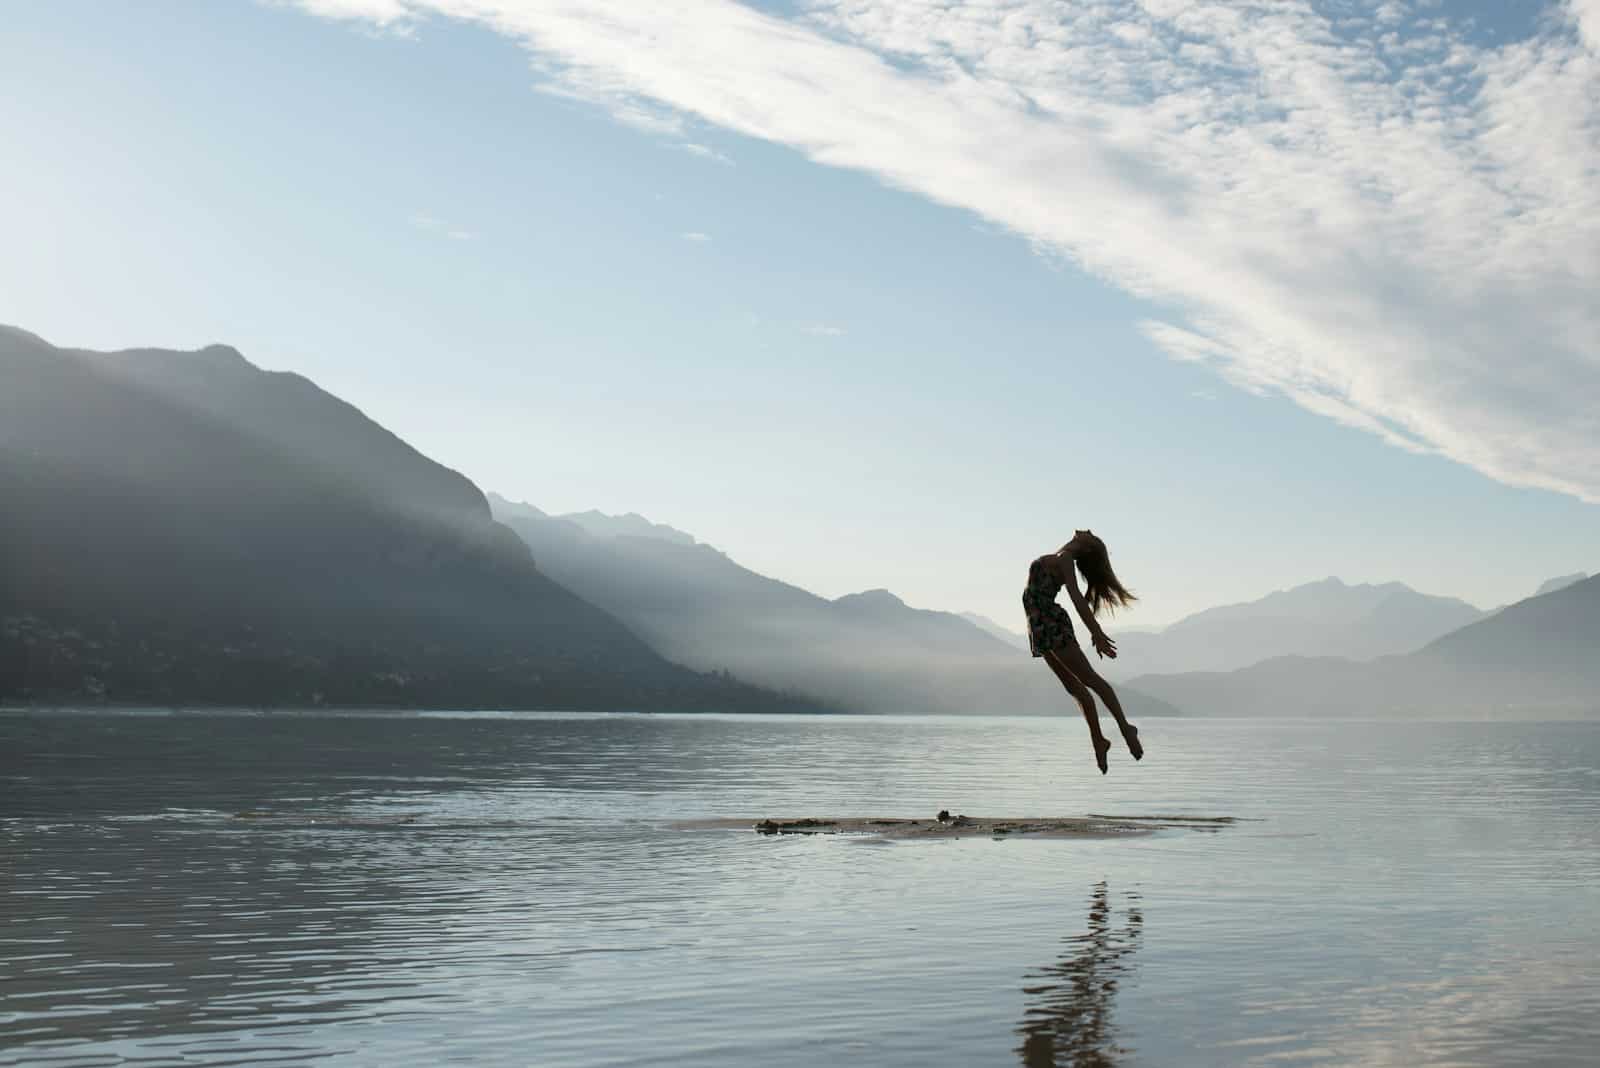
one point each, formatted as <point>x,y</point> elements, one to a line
<point>505,890</point>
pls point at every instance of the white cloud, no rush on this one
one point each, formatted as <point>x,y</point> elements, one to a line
<point>387,14</point>
<point>823,330</point>
<point>695,235</point>
<point>1586,16</point>
<point>1380,217</point>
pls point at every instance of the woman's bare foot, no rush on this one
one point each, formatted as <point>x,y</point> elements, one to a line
<point>1130,734</point>
<point>1102,746</point>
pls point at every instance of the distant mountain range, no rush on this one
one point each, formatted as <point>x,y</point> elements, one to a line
<point>1535,657</point>
<point>1011,637</point>
<point>1561,582</point>
<point>866,651</point>
<point>1327,618</point>
<point>186,528</point>
<point>600,525</point>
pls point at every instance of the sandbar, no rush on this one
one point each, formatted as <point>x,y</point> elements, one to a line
<point>946,825</point>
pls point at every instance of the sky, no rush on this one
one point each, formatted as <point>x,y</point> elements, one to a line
<point>877,294</point>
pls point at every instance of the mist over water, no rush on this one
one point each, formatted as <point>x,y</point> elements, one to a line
<point>506,890</point>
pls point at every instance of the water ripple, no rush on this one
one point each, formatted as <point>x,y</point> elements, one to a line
<point>505,890</point>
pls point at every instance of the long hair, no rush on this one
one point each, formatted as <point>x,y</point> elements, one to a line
<point>1101,589</point>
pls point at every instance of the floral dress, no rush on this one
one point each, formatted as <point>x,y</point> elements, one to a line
<point>1049,626</point>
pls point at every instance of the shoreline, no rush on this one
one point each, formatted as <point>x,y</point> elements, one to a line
<point>65,711</point>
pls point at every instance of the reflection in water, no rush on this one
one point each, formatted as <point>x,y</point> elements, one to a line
<point>1068,1018</point>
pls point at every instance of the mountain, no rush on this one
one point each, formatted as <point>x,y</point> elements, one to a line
<point>599,524</point>
<point>1532,658</point>
<point>297,420</point>
<point>1560,583</point>
<point>867,652</point>
<point>1541,649</point>
<point>631,525</point>
<point>989,626</point>
<point>186,528</point>
<point>1327,618</point>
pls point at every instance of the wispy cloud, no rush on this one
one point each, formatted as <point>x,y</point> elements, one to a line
<point>643,115</point>
<point>705,152</point>
<point>823,330</point>
<point>395,15</point>
<point>695,235</point>
<point>432,225</point>
<point>1365,208</point>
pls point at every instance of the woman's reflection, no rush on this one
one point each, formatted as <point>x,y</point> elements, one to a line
<point>1068,1016</point>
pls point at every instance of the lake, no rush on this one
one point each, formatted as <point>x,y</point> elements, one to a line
<point>508,890</point>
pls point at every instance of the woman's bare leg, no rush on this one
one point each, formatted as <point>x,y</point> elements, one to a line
<point>1073,659</point>
<point>1080,694</point>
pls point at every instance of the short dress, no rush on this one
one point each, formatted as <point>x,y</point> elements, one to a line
<point>1049,626</point>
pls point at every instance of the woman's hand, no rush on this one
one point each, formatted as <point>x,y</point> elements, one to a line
<point>1104,645</point>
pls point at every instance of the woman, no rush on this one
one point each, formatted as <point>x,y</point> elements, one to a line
<point>1050,629</point>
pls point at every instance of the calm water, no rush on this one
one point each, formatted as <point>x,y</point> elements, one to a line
<point>506,891</point>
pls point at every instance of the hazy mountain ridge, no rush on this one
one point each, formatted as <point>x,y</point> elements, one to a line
<point>596,523</point>
<point>1326,618</point>
<point>630,524</point>
<point>865,651</point>
<point>1560,582</point>
<point>1535,657</point>
<point>186,528</point>
<point>300,420</point>
<point>1005,634</point>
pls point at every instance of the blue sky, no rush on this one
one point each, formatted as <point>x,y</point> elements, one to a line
<point>865,333</point>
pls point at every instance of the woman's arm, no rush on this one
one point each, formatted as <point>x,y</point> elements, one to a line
<point>1102,642</point>
<point>1069,579</point>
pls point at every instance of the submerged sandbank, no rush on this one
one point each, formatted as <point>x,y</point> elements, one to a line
<point>946,825</point>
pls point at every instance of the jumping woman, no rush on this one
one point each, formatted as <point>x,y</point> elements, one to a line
<point>1050,629</point>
